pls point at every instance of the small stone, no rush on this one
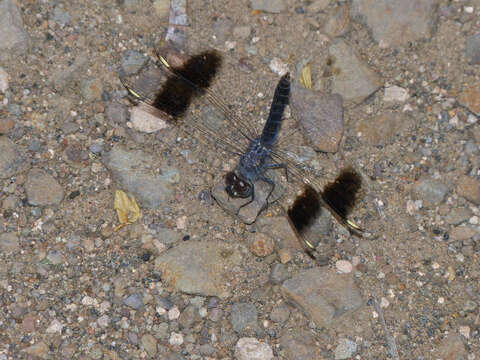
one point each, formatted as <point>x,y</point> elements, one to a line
<point>382,129</point>
<point>175,339</point>
<point>55,257</point>
<point>271,6</point>
<point>3,81</point>
<point>344,266</point>
<point>345,349</point>
<point>469,188</point>
<point>60,16</point>
<point>173,313</point>
<point>261,244</point>
<point>55,326</point>
<point>29,322</point>
<point>252,349</point>
<point>6,125</point>
<point>144,121</point>
<point>461,233</point>
<point>472,49</point>
<point>116,112</point>
<point>278,273</point>
<point>9,242</point>
<point>11,160</point>
<point>470,97</point>
<point>465,331</point>
<point>42,188</point>
<point>149,343</point>
<point>280,313</point>
<point>284,255</point>
<point>14,37</point>
<point>431,191</point>
<point>133,61</point>
<point>278,66</point>
<point>103,321</point>
<point>395,94</point>
<point>215,314</point>
<point>458,216</point>
<point>242,32</point>
<point>243,316</point>
<point>92,89</point>
<point>38,350</point>
<point>134,301</point>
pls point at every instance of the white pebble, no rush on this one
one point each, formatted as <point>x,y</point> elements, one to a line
<point>278,66</point>
<point>3,80</point>
<point>465,331</point>
<point>55,326</point>
<point>252,349</point>
<point>384,302</point>
<point>395,93</point>
<point>173,313</point>
<point>344,266</point>
<point>176,339</point>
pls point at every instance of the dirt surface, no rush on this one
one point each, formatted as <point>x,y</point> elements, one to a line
<point>71,287</point>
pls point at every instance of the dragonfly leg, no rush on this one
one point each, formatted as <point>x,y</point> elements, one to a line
<point>272,184</point>
<point>251,198</point>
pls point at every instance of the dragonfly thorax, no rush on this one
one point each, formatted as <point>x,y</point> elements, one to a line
<point>251,166</point>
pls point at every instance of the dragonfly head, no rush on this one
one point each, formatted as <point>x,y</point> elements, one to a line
<point>237,187</point>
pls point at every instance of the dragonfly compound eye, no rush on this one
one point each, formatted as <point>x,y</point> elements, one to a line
<point>236,187</point>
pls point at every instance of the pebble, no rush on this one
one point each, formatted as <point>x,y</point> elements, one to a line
<point>134,301</point>
<point>469,188</point>
<point>42,188</point>
<point>243,316</point>
<point>278,66</point>
<point>6,125</point>
<point>261,244</point>
<point>116,112</point>
<point>132,169</point>
<point>352,78</point>
<point>199,267</point>
<point>323,295</point>
<point>215,314</point>
<point>60,16</point>
<point>103,321</point>
<point>11,160</point>
<point>457,216</point>
<point>461,233</point>
<point>470,97</point>
<point>320,116</point>
<point>278,273</point>
<point>175,339</point>
<point>382,129</point>
<point>132,61</point>
<point>431,192</point>
<point>252,349</point>
<point>397,23</point>
<point>55,257</point>
<point>3,82</point>
<point>9,242</point>
<point>14,37</point>
<point>242,32</point>
<point>54,327</point>
<point>284,255</point>
<point>395,94</point>
<point>270,6</point>
<point>344,266</point>
<point>62,79</point>
<point>472,49</point>
<point>173,313</point>
<point>338,21</point>
<point>451,347</point>
<point>146,122</point>
<point>149,343</point>
<point>280,313</point>
<point>38,350</point>
<point>96,148</point>
<point>345,349</point>
<point>92,89</point>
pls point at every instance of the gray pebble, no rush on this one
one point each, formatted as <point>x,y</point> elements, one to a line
<point>96,148</point>
<point>42,189</point>
<point>278,273</point>
<point>14,37</point>
<point>149,343</point>
<point>11,202</point>
<point>215,314</point>
<point>116,112</point>
<point>472,49</point>
<point>271,6</point>
<point>55,257</point>
<point>60,16</point>
<point>243,316</point>
<point>345,349</point>
<point>134,301</point>
<point>132,62</point>
<point>280,313</point>
<point>11,160</point>
<point>9,242</point>
<point>431,191</point>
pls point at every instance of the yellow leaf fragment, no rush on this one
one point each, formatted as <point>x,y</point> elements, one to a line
<point>306,77</point>
<point>127,209</point>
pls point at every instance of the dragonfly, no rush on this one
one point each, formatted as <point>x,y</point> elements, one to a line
<point>181,81</point>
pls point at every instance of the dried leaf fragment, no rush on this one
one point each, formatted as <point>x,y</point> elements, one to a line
<point>306,77</point>
<point>127,209</point>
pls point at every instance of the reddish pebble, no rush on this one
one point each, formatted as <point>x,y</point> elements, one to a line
<point>261,245</point>
<point>6,125</point>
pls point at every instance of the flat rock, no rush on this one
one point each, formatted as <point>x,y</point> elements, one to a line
<point>271,6</point>
<point>323,295</point>
<point>300,344</point>
<point>248,213</point>
<point>469,188</point>
<point>472,49</point>
<point>11,160</point>
<point>279,229</point>
<point>397,22</point>
<point>133,169</point>
<point>14,37</point>
<point>9,242</point>
<point>470,97</point>
<point>252,349</point>
<point>144,121</point>
<point>352,78</point>
<point>63,78</point>
<point>199,267</point>
<point>3,80</point>
<point>6,125</point>
<point>42,188</point>
<point>451,348</point>
<point>430,191</point>
<point>39,350</point>
<point>320,116</point>
<point>382,129</point>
